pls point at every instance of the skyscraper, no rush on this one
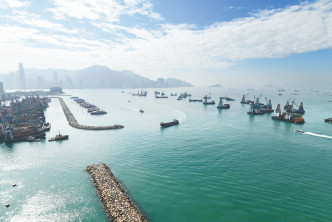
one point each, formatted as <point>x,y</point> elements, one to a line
<point>21,76</point>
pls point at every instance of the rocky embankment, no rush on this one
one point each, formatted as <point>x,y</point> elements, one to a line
<point>117,204</point>
<point>73,122</point>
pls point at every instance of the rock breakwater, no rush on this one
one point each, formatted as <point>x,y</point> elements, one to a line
<point>73,122</point>
<point>117,204</point>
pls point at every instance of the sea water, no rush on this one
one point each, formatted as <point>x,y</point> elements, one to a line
<point>216,165</point>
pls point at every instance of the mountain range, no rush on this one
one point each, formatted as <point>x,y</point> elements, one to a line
<point>92,77</point>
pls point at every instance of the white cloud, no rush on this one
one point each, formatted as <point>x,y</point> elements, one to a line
<point>182,48</point>
<point>106,10</point>
<point>13,3</point>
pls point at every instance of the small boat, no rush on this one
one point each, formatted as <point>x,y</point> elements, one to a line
<point>141,111</point>
<point>161,97</point>
<point>98,112</point>
<point>174,122</point>
<point>298,131</point>
<point>59,137</point>
<point>280,94</point>
<point>7,205</point>
<point>195,100</point>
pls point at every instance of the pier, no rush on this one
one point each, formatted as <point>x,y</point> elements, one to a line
<point>73,122</point>
<point>117,204</point>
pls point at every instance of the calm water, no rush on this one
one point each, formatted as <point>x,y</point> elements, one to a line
<point>215,166</point>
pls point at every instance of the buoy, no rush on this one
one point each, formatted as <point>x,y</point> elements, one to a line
<point>14,185</point>
<point>7,205</point>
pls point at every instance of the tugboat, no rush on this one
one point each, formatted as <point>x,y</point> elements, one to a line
<point>221,105</point>
<point>206,102</point>
<point>59,137</point>
<point>165,125</point>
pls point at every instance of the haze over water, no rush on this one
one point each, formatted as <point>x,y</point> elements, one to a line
<point>214,166</point>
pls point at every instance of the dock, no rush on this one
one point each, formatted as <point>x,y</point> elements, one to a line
<point>117,204</point>
<point>73,122</point>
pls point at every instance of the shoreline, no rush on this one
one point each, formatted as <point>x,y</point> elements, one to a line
<point>114,199</point>
<point>73,122</point>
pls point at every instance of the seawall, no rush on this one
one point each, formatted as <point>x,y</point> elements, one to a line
<point>73,122</point>
<point>117,204</point>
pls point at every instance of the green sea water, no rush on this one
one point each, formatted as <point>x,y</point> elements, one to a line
<point>215,166</point>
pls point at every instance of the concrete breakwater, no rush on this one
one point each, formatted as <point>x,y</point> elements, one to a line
<point>117,204</point>
<point>73,122</point>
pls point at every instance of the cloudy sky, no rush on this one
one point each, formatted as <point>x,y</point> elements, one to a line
<point>232,42</point>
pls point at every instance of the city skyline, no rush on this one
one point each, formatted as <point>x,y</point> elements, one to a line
<point>231,43</point>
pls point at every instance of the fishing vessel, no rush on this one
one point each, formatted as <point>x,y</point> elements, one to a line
<point>59,137</point>
<point>221,105</point>
<point>168,124</point>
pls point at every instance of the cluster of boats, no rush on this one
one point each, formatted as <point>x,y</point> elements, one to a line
<point>92,109</point>
<point>142,93</point>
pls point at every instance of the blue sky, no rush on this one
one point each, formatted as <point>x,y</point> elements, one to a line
<point>234,43</point>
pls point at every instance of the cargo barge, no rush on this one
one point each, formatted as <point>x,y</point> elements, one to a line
<point>165,125</point>
<point>287,116</point>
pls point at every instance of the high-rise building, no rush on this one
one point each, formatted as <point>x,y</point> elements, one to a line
<point>55,79</point>
<point>21,77</point>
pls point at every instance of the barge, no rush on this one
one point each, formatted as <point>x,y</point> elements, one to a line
<point>287,116</point>
<point>165,125</point>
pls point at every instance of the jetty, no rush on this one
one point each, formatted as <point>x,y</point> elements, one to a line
<point>73,122</point>
<point>117,204</point>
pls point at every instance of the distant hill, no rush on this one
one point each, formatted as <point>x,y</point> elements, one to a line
<point>92,77</point>
<point>216,85</point>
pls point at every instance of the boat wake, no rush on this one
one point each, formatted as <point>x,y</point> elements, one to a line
<point>318,135</point>
<point>313,134</point>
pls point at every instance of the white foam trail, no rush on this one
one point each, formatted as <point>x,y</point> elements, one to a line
<point>318,135</point>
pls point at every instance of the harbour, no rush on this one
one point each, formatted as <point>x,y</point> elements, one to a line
<point>199,161</point>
